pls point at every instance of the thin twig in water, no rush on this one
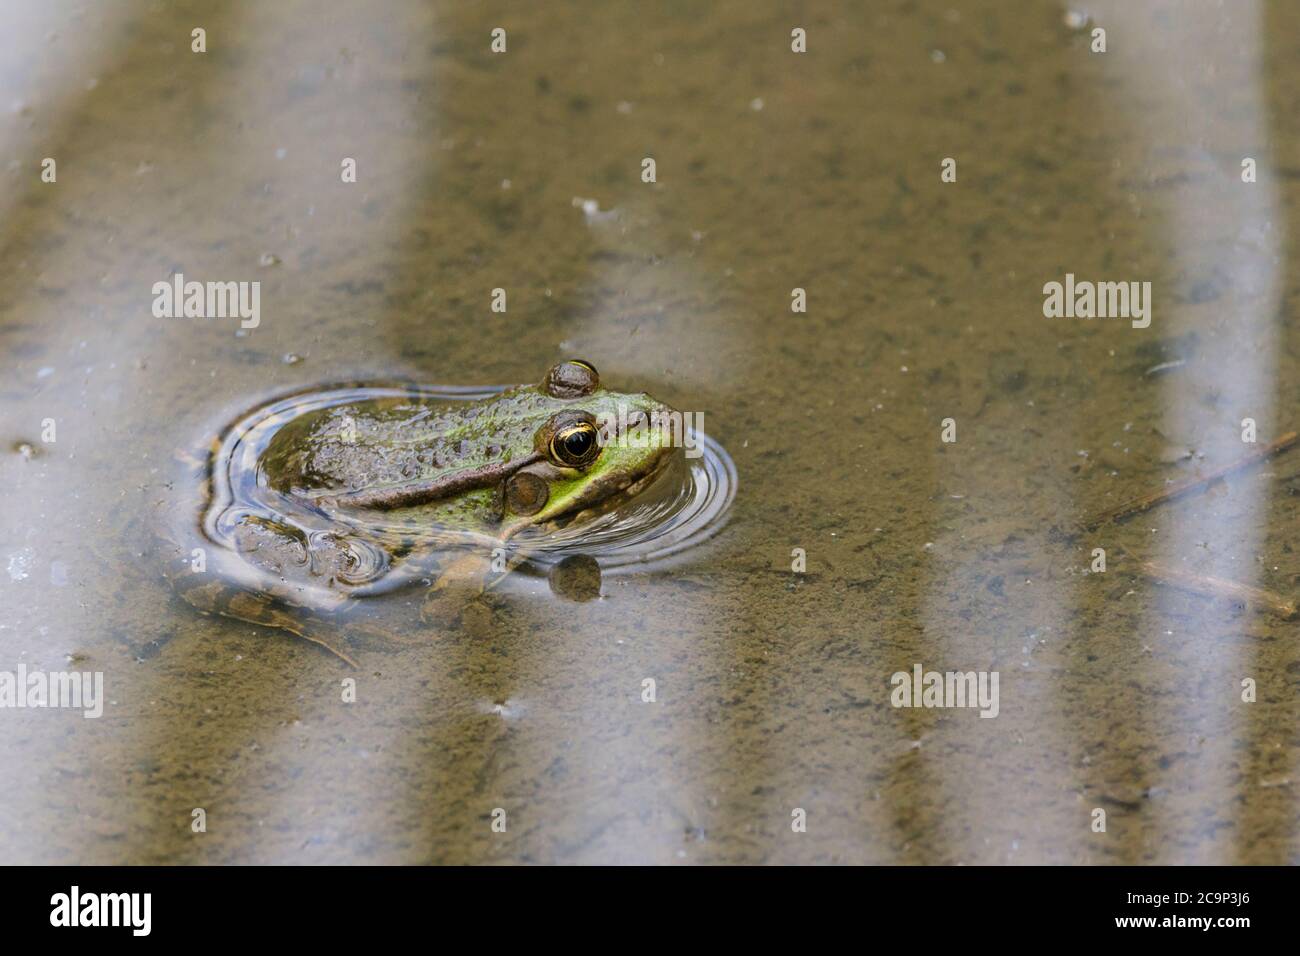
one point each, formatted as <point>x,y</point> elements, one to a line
<point>1147,502</point>
<point>1219,588</point>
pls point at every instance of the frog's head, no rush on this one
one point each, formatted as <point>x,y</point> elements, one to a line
<point>597,448</point>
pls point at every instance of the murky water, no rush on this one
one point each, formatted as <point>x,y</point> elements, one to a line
<point>775,171</point>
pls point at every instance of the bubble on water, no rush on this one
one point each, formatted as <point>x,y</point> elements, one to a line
<point>20,564</point>
<point>268,259</point>
<point>291,358</point>
<point>1076,19</point>
<point>756,104</point>
<point>508,709</point>
<point>591,209</point>
<point>25,449</point>
<point>938,56</point>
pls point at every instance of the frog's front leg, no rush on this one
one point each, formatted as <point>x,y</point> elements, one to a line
<point>458,593</point>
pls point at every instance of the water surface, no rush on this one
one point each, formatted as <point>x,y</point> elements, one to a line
<point>775,171</point>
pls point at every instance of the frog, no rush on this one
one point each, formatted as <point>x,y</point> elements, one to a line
<point>310,506</point>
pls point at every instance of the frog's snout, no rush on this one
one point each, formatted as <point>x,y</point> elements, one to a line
<point>643,423</point>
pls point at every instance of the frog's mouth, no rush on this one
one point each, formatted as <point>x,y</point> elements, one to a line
<point>611,494</point>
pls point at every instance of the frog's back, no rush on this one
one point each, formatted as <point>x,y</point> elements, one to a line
<point>382,443</point>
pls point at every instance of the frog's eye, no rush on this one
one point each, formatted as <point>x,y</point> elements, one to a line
<point>575,446</point>
<point>570,440</point>
<point>572,379</point>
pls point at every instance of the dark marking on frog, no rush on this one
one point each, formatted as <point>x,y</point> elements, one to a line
<point>423,492</point>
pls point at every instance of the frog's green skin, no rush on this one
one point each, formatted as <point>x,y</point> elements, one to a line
<point>327,455</point>
<point>356,468</point>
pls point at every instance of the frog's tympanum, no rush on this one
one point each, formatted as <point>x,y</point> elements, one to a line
<point>314,502</point>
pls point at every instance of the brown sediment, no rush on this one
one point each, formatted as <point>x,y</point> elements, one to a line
<point>778,681</point>
<point>1219,588</point>
<point>1147,502</point>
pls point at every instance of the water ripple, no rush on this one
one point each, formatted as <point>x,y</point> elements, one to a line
<point>684,507</point>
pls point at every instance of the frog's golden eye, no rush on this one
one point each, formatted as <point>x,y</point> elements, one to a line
<point>572,379</point>
<point>569,440</point>
<point>575,446</point>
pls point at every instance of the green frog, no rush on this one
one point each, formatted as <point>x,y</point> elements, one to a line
<point>315,502</point>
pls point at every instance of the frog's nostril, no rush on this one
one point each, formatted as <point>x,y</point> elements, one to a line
<point>638,419</point>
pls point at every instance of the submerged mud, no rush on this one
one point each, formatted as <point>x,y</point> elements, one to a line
<point>917,452</point>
